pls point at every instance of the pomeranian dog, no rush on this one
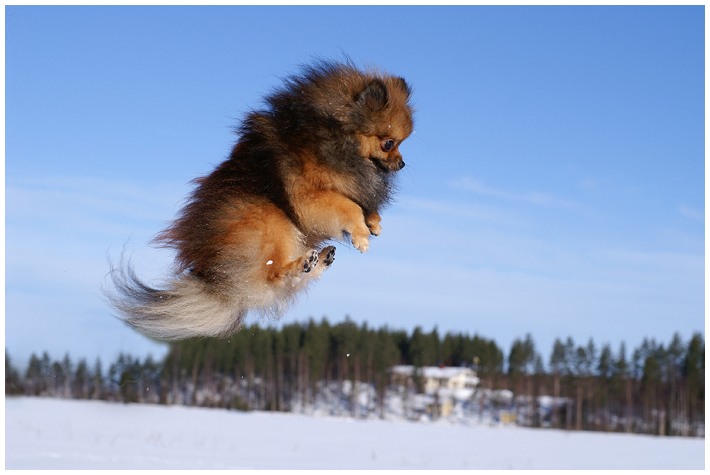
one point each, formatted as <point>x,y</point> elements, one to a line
<point>316,164</point>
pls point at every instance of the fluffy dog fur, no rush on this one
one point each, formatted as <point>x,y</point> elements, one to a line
<point>316,164</point>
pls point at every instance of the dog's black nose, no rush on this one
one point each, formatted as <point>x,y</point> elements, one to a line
<point>401,164</point>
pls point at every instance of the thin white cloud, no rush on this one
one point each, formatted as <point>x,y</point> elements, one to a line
<point>692,213</point>
<point>533,197</point>
<point>589,184</point>
<point>60,230</point>
<point>477,212</point>
<point>44,197</point>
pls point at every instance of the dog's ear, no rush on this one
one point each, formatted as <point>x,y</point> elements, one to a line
<point>402,84</point>
<point>373,96</point>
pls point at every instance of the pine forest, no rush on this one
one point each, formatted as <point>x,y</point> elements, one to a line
<point>347,370</point>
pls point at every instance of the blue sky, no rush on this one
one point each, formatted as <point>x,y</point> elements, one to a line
<point>554,182</point>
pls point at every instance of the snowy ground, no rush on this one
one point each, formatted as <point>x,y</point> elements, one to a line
<point>67,434</point>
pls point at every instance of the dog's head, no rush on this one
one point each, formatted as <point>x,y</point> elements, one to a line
<point>384,121</point>
<point>367,108</point>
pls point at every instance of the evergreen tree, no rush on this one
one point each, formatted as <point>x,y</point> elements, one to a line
<point>316,346</point>
<point>59,378</point>
<point>418,348</point>
<point>98,381</point>
<point>13,385</point>
<point>522,357</point>
<point>558,365</point>
<point>432,349</point>
<point>46,374</point>
<point>490,357</point>
<point>517,359</point>
<point>570,354</point>
<point>80,388</point>
<point>403,343</point>
<point>387,354</point>
<point>452,350</point>
<point>34,378</point>
<point>694,375</point>
<point>558,359</point>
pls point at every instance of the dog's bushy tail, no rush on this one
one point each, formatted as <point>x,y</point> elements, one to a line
<point>184,308</point>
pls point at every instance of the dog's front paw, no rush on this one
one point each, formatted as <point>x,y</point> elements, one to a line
<point>373,222</point>
<point>361,242</point>
<point>375,229</point>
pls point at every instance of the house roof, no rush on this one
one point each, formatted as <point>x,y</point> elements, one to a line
<point>447,372</point>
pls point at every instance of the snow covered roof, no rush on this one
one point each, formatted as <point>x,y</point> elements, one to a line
<point>447,372</point>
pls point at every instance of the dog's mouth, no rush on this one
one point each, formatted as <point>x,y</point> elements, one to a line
<point>386,167</point>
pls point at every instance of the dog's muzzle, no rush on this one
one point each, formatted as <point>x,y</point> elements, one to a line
<point>387,167</point>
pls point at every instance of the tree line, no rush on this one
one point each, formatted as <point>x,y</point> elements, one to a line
<point>653,389</point>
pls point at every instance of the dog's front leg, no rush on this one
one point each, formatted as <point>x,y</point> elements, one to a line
<point>332,214</point>
<point>373,222</point>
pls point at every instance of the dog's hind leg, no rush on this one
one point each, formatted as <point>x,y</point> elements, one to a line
<point>304,264</point>
<point>325,260</point>
<point>311,264</point>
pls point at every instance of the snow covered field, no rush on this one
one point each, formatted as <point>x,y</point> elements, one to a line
<point>68,434</point>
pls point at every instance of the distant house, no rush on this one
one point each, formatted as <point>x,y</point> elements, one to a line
<point>436,377</point>
<point>443,386</point>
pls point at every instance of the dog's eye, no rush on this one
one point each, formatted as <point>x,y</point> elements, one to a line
<point>388,145</point>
